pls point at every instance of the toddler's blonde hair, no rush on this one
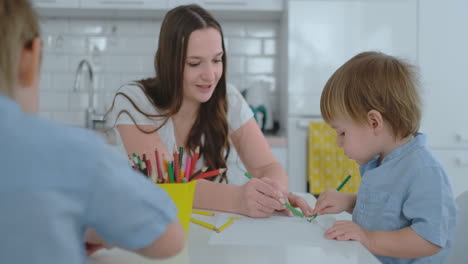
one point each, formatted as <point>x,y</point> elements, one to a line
<point>374,81</point>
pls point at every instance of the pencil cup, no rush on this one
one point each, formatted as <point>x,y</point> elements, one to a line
<point>182,196</point>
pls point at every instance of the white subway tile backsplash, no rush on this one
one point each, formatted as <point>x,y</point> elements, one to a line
<point>133,45</point>
<point>109,82</point>
<point>240,46</point>
<point>132,27</point>
<point>48,41</point>
<point>55,63</point>
<point>97,44</point>
<point>233,29</point>
<point>122,50</point>
<point>263,30</point>
<point>269,46</point>
<point>120,63</point>
<point>62,82</point>
<point>54,25</point>
<point>44,81</point>
<point>260,65</point>
<point>78,101</point>
<point>75,44</point>
<point>53,101</point>
<point>129,78</point>
<point>150,28</point>
<point>236,65</point>
<point>87,27</point>
<point>70,118</point>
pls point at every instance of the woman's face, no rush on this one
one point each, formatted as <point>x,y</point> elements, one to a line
<point>203,65</point>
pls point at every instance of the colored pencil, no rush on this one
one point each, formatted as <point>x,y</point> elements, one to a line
<point>343,183</point>
<point>221,228</point>
<point>158,167</point>
<point>181,155</point>
<point>150,169</point>
<point>338,189</point>
<point>192,177</point>
<point>135,161</point>
<point>201,223</point>
<point>170,172</point>
<point>210,174</point>
<point>164,163</point>
<point>147,172</point>
<point>194,160</point>
<point>176,167</point>
<point>202,212</point>
<point>187,168</point>
<point>138,160</point>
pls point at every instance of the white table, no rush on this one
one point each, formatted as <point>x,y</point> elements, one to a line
<point>198,250</point>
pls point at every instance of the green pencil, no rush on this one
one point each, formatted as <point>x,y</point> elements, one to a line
<point>294,210</point>
<point>338,189</point>
<point>170,171</point>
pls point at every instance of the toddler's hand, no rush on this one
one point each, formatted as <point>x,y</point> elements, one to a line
<point>348,230</point>
<point>332,202</point>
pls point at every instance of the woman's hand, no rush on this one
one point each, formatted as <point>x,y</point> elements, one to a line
<point>260,199</point>
<point>332,202</point>
<point>292,199</point>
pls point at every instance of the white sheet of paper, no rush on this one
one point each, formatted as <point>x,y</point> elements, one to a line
<point>274,231</point>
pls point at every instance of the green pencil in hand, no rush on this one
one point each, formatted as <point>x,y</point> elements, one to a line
<point>338,189</point>
<point>290,207</point>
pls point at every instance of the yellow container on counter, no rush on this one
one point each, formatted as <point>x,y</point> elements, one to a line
<point>182,196</point>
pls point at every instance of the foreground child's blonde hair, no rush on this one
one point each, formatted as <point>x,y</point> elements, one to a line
<point>374,81</point>
<point>18,27</point>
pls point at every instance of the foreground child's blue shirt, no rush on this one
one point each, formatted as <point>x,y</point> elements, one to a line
<point>409,188</point>
<point>56,181</point>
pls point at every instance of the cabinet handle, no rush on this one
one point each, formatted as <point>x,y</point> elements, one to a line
<point>110,2</point>
<point>233,3</point>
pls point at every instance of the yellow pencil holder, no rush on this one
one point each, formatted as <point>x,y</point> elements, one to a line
<point>182,196</point>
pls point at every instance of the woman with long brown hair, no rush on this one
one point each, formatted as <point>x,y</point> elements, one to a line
<point>189,104</point>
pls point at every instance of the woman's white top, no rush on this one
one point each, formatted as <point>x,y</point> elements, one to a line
<point>238,114</point>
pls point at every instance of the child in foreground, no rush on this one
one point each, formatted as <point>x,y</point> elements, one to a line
<point>404,211</point>
<point>58,181</point>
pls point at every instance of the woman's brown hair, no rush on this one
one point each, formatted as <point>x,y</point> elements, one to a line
<point>375,81</point>
<point>165,90</point>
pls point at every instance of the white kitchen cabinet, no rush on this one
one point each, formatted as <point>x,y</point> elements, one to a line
<point>124,4</point>
<point>246,5</point>
<point>325,34</point>
<point>56,3</point>
<point>321,36</point>
<point>443,61</point>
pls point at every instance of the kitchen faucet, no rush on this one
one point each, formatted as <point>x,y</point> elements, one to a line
<point>91,117</point>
